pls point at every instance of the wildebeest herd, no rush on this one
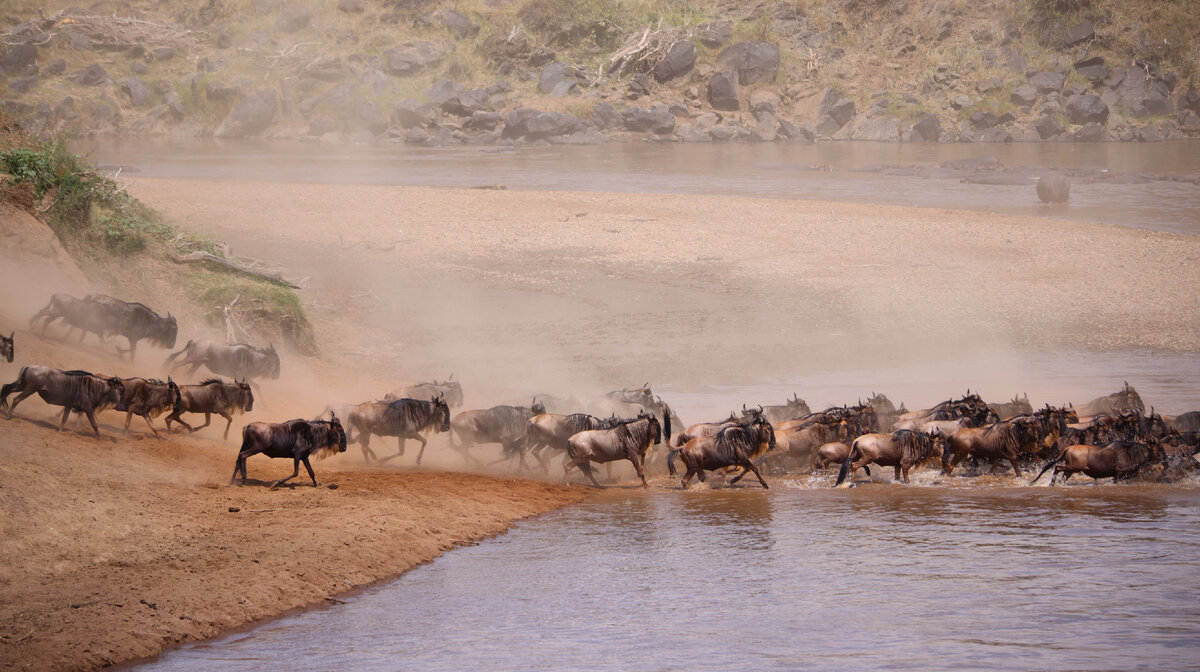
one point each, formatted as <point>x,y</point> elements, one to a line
<point>1110,437</point>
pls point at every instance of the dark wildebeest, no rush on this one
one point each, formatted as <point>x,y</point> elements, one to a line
<point>1009,409</point>
<point>1000,440</point>
<point>104,315</point>
<point>632,402</point>
<point>1117,460</point>
<point>902,449</point>
<point>1125,399</point>
<point>238,361</point>
<point>212,396</point>
<point>450,390</point>
<point>628,440</point>
<point>402,418</point>
<point>73,390</point>
<point>297,439</point>
<point>6,347</point>
<point>149,399</point>
<point>793,408</point>
<point>503,424</point>
<point>706,430</point>
<point>1184,422</point>
<point>550,431</point>
<point>798,445</point>
<point>734,446</point>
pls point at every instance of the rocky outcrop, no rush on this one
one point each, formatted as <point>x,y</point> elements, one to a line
<point>678,62</point>
<point>723,91</point>
<point>755,62</point>
<point>250,116</point>
<point>411,58</point>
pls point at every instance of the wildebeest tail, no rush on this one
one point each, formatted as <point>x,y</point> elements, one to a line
<point>9,388</point>
<point>845,470</point>
<point>671,460</point>
<point>171,359</point>
<point>667,423</point>
<point>1056,460</point>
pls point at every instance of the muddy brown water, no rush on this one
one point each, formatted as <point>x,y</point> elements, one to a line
<point>773,170</point>
<point>948,573</point>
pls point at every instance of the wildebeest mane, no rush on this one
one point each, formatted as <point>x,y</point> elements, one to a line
<point>1130,455</point>
<point>915,447</point>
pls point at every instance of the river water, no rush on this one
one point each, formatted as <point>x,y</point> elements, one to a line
<point>772,170</point>
<point>951,573</point>
<point>881,577</point>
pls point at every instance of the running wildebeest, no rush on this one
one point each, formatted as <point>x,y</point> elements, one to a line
<point>793,408</point>
<point>238,361</point>
<point>212,396</point>
<point>550,431</point>
<point>1184,422</point>
<point>104,315</point>
<point>402,418</point>
<point>1008,409</point>
<point>450,390</point>
<point>797,445</point>
<point>73,390</point>
<point>628,440</point>
<point>833,452</point>
<point>1000,440</point>
<point>503,424</point>
<point>297,439</point>
<point>1117,460</point>
<point>149,399</point>
<point>902,449</point>
<point>734,446</point>
<point>7,347</point>
<point>1125,399</point>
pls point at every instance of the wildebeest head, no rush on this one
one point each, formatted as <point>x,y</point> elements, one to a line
<point>272,361</point>
<point>245,396</point>
<point>115,394</point>
<point>441,413</point>
<point>170,331</point>
<point>537,407</point>
<point>6,347</point>
<point>336,426</point>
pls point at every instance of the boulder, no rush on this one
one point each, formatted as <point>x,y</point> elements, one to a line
<point>459,25</point>
<point>606,117</point>
<point>657,120</point>
<point>764,103</point>
<point>842,111</point>
<point>879,129</point>
<point>322,125</point>
<point>467,103</point>
<point>413,57</point>
<point>715,34</point>
<point>139,68</point>
<point>755,62</point>
<point>927,127</point>
<point>1130,85</point>
<point>174,104</point>
<point>1048,127</point>
<point>553,73</point>
<point>250,116</point>
<point>639,85</point>
<point>723,91</point>
<point>1047,81</point>
<point>1092,132</point>
<point>993,135</point>
<point>532,124</point>
<point>1081,32</point>
<point>1085,109</point>
<point>294,16</point>
<point>678,62</point>
<point>1158,99</point>
<point>727,131</point>
<point>1023,96</point>
<point>410,113</point>
<point>443,90</point>
<point>988,84</point>
<point>137,91</point>
<point>689,133</point>
<point>160,54</point>
<point>1190,100</point>
<point>984,119</point>
<point>961,101</point>
<point>483,121</point>
<point>18,57</point>
<point>1151,134</point>
<point>218,91</point>
<point>57,67</point>
<point>93,75</point>
<point>1053,187</point>
<point>378,81</point>
<point>766,130</point>
<point>793,131</point>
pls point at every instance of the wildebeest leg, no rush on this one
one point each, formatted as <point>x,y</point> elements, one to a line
<point>66,414</point>
<point>637,466</point>
<point>128,418</point>
<point>92,419</point>
<point>310,470</point>
<point>177,417</point>
<point>589,471</point>
<point>687,477</point>
<point>364,442</point>
<point>132,350</point>
<point>149,424</point>
<point>195,367</point>
<point>207,422</point>
<point>295,473</point>
<point>422,450</point>
<point>228,423</point>
<point>1016,467</point>
<point>240,465</point>
<point>16,401</point>
<point>896,476</point>
<point>750,465</point>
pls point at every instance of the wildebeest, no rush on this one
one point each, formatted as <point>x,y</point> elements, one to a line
<point>798,445</point>
<point>969,406</point>
<point>628,440</point>
<point>1008,409</point>
<point>1117,460</point>
<point>1125,399</point>
<point>450,390</point>
<point>1053,187</point>
<point>630,402</point>
<point>833,452</point>
<point>793,408</point>
<point>7,347</point>
<point>212,396</point>
<point>550,431</point>
<point>734,446</point>
<point>503,424</point>
<point>149,399</point>
<point>73,390</point>
<point>297,439</point>
<point>104,315</point>
<point>1000,440</point>
<point>902,449</point>
<point>238,361</point>
<point>402,418</point>
<point>1184,422</point>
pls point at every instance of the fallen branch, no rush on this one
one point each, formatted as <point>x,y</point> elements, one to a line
<point>199,257</point>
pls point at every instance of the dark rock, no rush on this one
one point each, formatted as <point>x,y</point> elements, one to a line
<point>993,135</point>
<point>639,85</point>
<point>161,54</point>
<point>727,131</point>
<point>1092,132</point>
<point>322,125</point>
<point>175,104</point>
<point>1006,118</point>
<point>715,34</point>
<point>1131,89</point>
<point>139,68</point>
<point>218,91</point>
<point>483,121</point>
<point>881,129</point>
<point>827,126</point>
<point>755,62</point>
<point>679,110</point>
<point>552,74</point>
<point>459,25</point>
<point>224,40</point>
<point>657,120</point>
<point>1048,127</point>
<point>467,103</point>
<point>137,91</point>
<point>1047,81</point>
<point>723,91</point>
<point>416,136</point>
<point>606,117</point>
<point>828,98</point>
<point>961,101</point>
<point>57,67</point>
<point>250,116</point>
<point>764,103</point>
<point>927,127</point>
<point>541,56</point>
<point>93,75</point>
<point>842,111</point>
<point>689,133</point>
<point>984,119</point>
<point>678,61</point>
<point>1151,134</point>
<point>18,57</point>
<point>1085,109</point>
<point>1081,32</point>
<point>532,124</point>
<point>989,84</point>
<point>1053,187</point>
<point>367,117</point>
<point>293,17</point>
<point>1190,100</point>
<point>351,6</point>
<point>443,90</point>
<point>1158,99</point>
<point>1074,89</point>
<point>410,113</point>
<point>793,131</point>
<point>766,130</point>
<point>1093,73</point>
<point>411,58</point>
<point>23,84</point>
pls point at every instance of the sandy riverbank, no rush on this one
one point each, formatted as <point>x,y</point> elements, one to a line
<point>114,549</point>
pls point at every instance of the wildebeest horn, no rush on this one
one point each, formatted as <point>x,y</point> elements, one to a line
<point>451,377</point>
